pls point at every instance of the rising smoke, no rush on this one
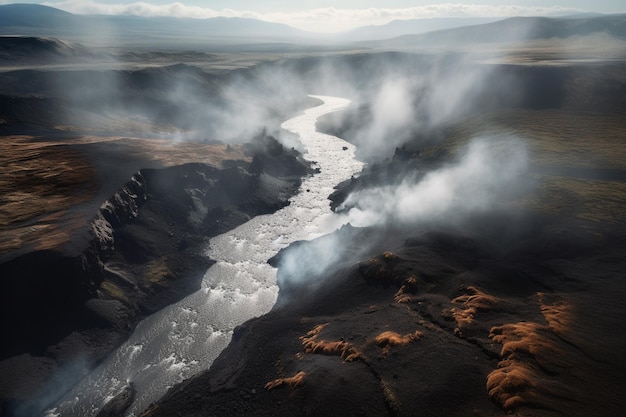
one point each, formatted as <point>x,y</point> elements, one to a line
<point>488,171</point>
<point>400,101</point>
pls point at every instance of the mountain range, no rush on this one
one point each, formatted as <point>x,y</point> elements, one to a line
<point>38,20</point>
<point>108,30</point>
<point>516,29</point>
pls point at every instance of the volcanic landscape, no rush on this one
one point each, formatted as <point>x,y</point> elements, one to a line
<point>472,265</point>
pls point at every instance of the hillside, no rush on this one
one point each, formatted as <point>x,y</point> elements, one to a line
<point>30,49</point>
<point>398,28</point>
<point>37,20</point>
<point>515,29</point>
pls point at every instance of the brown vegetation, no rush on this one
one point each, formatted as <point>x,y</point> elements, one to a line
<point>473,302</point>
<point>408,287</point>
<point>292,381</point>
<point>528,373</point>
<point>39,178</point>
<point>44,180</point>
<point>558,313</point>
<point>538,368</point>
<point>388,339</point>
<point>340,348</point>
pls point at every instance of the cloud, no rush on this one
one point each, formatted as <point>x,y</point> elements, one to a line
<point>328,19</point>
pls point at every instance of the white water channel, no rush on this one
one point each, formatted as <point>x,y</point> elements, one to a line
<point>185,338</point>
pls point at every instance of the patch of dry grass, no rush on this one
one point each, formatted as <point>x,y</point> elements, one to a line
<point>408,287</point>
<point>170,153</point>
<point>42,180</point>
<point>594,200</point>
<point>528,374</point>
<point>293,381</point>
<point>388,339</point>
<point>568,150</point>
<point>538,368</point>
<point>554,137</point>
<point>341,348</point>
<point>40,177</point>
<point>473,302</point>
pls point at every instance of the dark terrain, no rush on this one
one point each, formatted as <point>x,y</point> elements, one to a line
<point>513,311</point>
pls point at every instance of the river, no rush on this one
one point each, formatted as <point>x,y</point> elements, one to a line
<point>185,338</point>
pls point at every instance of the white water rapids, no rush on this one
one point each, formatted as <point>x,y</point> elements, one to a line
<point>185,338</point>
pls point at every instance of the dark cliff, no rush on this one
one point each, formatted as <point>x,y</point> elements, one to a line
<point>145,252</point>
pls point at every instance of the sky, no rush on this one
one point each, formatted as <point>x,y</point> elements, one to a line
<point>334,15</point>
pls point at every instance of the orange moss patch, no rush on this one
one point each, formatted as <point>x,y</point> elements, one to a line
<point>292,381</point>
<point>388,339</point>
<point>528,374</point>
<point>478,299</point>
<point>512,386</point>
<point>389,256</point>
<point>557,312</point>
<point>530,339</point>
<point>409,286</point>
<point>332,348</point>
<point>402,298</point>
<point>473,302</point>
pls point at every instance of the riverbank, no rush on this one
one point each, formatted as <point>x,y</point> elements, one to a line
<point>431,323</point>
<point>77,288</point>
<point>184,338</point>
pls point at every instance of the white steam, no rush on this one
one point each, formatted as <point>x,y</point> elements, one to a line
<point>411,104</point>
<point>391,116</point>
<point>488,171</point>
<point>255,102</point>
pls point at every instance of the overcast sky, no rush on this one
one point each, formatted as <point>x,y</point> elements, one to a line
<point>334,15</point>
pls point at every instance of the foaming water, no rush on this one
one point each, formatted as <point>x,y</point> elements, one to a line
<point>185,338</point>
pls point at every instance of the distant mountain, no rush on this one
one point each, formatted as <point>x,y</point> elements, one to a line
<point>169,32</point>
<point>32,15</point>
<point>515,29</point>
<point>37,20</point>
<point>397,28</point>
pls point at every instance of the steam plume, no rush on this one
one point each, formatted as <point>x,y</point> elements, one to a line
<point>489,170</point>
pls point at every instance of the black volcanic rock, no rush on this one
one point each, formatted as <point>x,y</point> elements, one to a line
<point>120,403</point>
<point>443,296</point>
